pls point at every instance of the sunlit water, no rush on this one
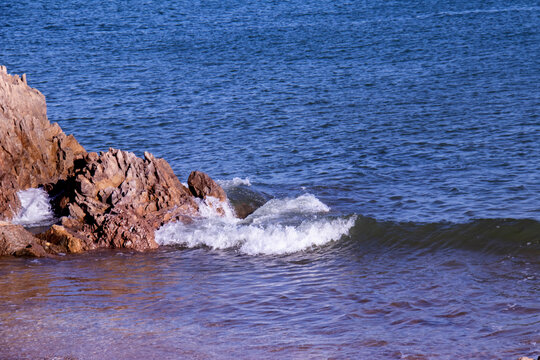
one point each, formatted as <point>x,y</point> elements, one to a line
<point>396,144</point>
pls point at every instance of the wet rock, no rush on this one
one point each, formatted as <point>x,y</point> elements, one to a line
<point>245,200</point>
<point>32,150</point>
<point>64,240</point>
<point>202,186</point>
<point>118,200</point>
<point>16,241</point>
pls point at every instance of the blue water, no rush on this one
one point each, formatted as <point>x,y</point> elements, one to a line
<point>401,111</point>
<point>422,119</point>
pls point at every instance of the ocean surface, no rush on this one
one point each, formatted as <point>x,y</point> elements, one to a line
<point>393,148</point>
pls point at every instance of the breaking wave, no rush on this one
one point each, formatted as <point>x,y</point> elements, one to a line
<point>280,226</point>
<point>487,236</point>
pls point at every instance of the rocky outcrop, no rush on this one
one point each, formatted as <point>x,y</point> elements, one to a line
<point>206,189</point>
<point>118,200</point>
<point>111,200</point>
<point>32,150</point>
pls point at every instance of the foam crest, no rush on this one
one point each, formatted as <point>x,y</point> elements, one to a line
<point>254,239</point>
<point>267,231</point>
<point>35,208</point>
<point>235,182</point>
<point>278,208</point>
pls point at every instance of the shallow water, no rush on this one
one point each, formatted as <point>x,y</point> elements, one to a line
<point>345,300</point>
<point>397,143</point>
<point>268,287</point>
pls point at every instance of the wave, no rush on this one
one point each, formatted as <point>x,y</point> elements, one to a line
<point>482,11</point>
<point>273,239</point>
<point>281,226</point>
<point>35,208</point>
<point>281,209</point>
<point>483,235</point>
<point>289,225</point>
<point>235,182</point>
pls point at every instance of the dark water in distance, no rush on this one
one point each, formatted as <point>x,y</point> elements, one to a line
<point>418,122</point>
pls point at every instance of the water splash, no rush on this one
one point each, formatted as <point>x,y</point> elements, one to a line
<point>280,226</point>
<point>235,182</point>
<point>280,209</point>
<point>211,207</point>
<point>35,208</point>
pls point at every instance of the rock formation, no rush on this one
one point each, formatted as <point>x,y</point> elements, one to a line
<point>118,200</point>
<point>32,150</point>
<point>111,200</point>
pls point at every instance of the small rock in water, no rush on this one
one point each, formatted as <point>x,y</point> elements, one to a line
<point>202,186</point>
<point>62,238</point>
<point>246,200</point>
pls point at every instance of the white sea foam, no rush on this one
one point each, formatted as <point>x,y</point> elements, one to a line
<point>280,208</point>
<point>266,231</point>
<point>226,184</point>
<point>211,208</point>
<point>35,208</point>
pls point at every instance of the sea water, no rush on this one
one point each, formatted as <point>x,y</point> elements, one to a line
<point>393,148</point>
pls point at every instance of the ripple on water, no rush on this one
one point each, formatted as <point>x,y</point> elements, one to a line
<point>422,117</point>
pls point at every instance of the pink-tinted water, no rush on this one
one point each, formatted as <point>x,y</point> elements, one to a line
<point>347,300</point>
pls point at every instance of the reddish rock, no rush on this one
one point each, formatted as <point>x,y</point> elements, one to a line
<point>9,201</point>
<point>118,200</point>
<point>32,150</point>
<point>202,186</point>
<point>16,241</point>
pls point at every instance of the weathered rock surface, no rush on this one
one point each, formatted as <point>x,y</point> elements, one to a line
<point>118,200</point>
<point>32,150</point>
<point>16,241</point>
<point>203,187</point>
